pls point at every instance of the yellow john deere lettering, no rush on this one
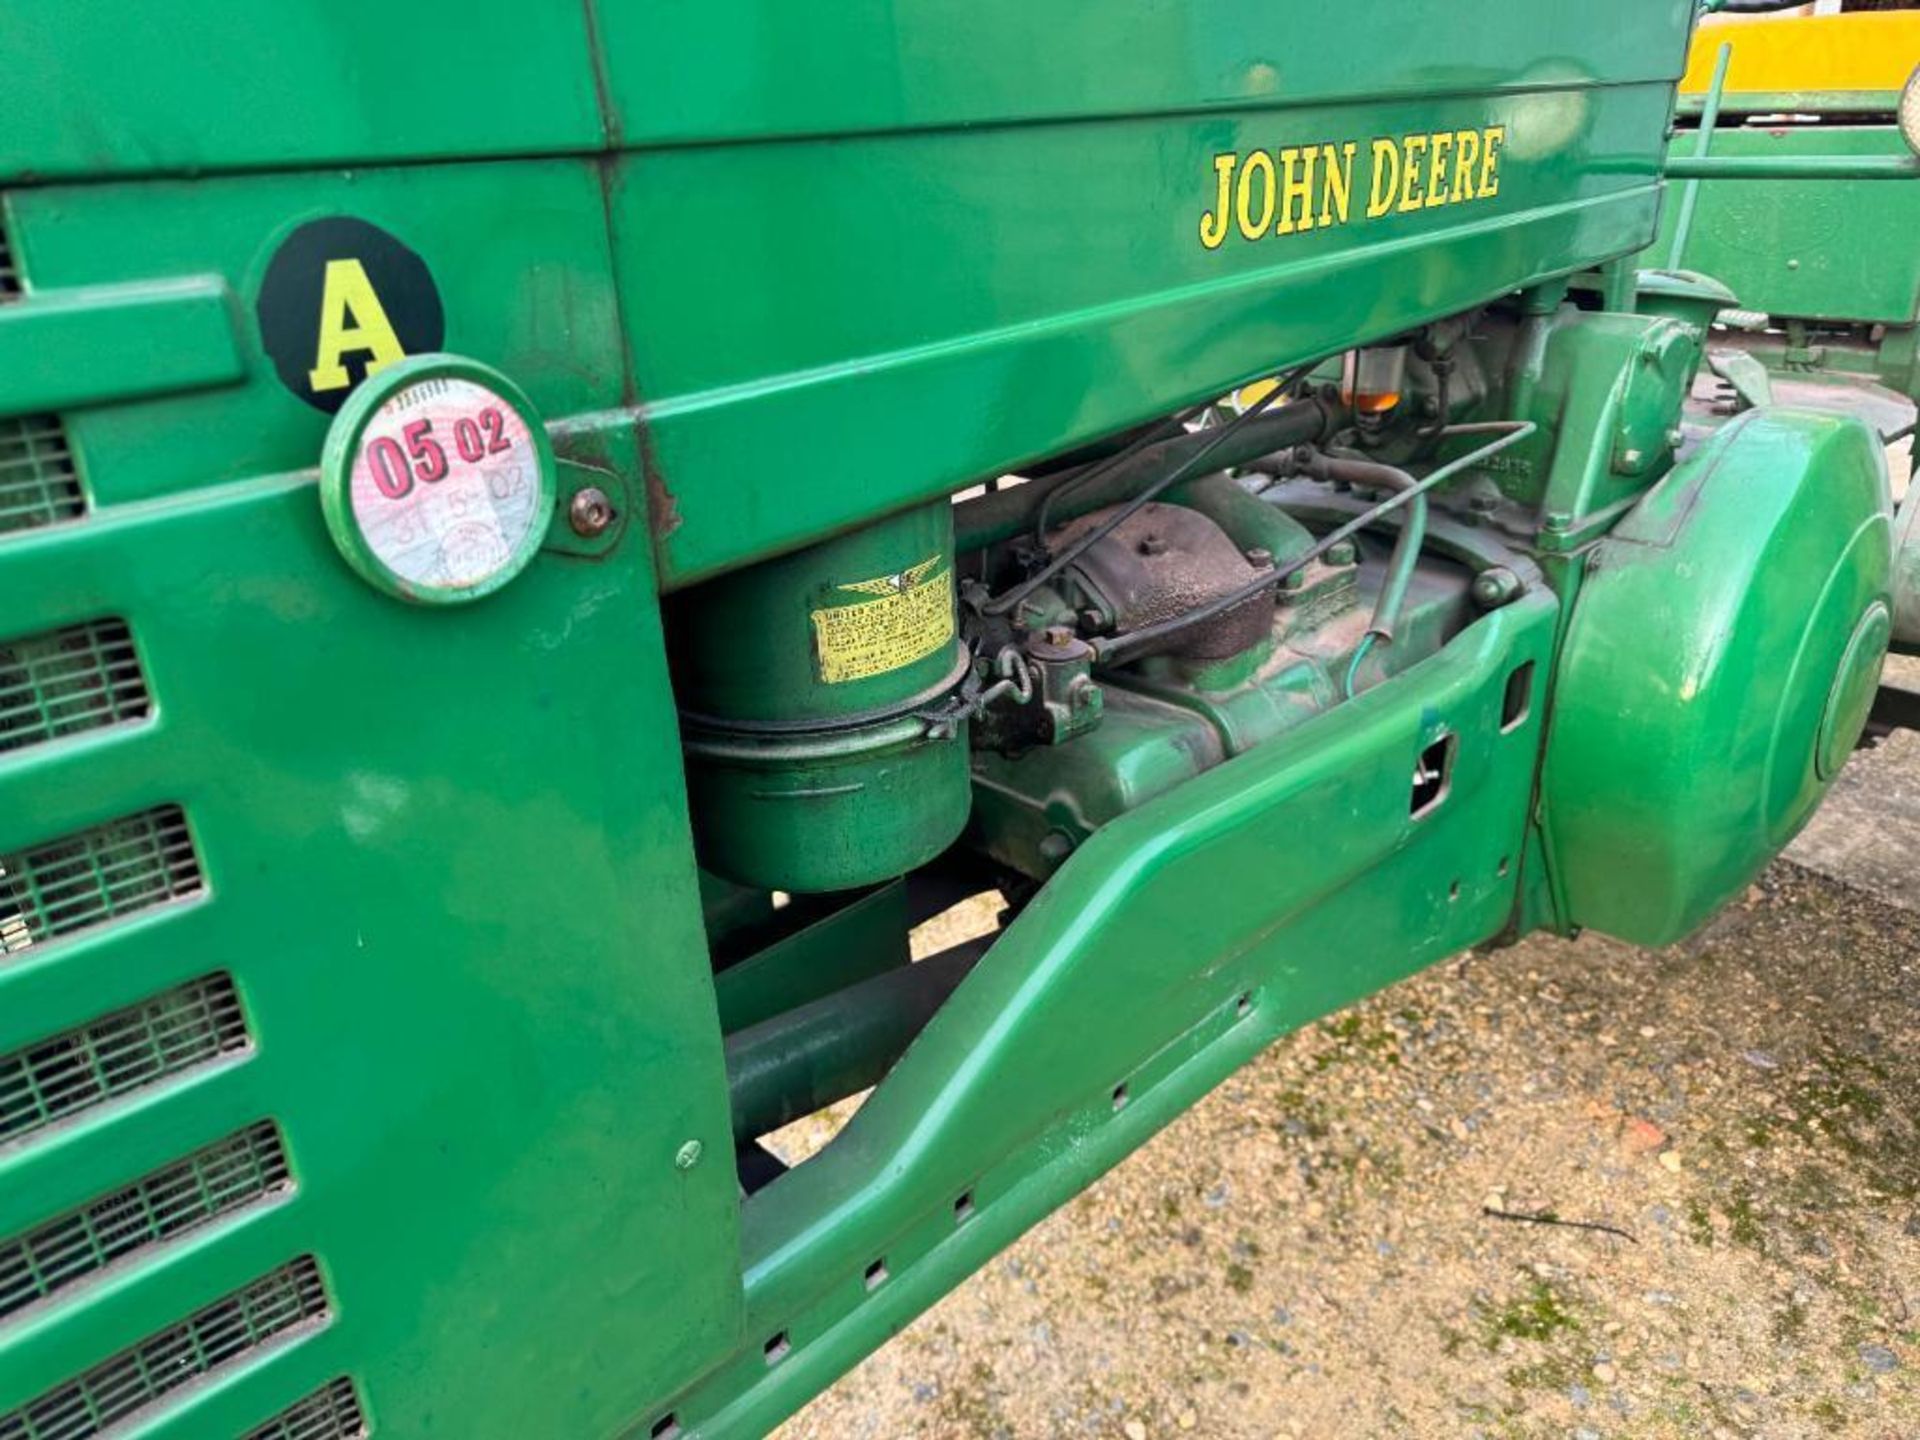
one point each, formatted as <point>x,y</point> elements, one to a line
<point>1296,188</point>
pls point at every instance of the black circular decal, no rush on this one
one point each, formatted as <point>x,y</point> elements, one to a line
<point>342,299</point>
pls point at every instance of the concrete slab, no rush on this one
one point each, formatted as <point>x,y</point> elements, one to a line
<point>1867,835</point>
<point>1886,410</point>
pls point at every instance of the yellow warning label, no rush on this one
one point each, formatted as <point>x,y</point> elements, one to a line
<point>910,618</point>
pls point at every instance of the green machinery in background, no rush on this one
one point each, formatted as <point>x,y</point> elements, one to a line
<point>1824,277</point>
<point>502,634</point>
<point>1822,281</point>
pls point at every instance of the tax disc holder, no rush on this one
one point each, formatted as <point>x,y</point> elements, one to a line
<point>437,480</point>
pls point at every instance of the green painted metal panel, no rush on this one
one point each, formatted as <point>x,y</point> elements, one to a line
<point>99,88</point>
<point>447,854</point>
<point>1677,767</point>
<point>852,943</point>
<point>1785,167</point>
<point>1008,1096</point>
<point>305,83</point>
<point>1811,248</point>
<point>1906,571</point>
<point>116,342</point>
<point>1798,102</point>
<point>1611,390</point>
<point>517,252</point>
<point>824,331</point>
<point>842,320</point>
<point>480,1054</point>
<point>1085,291</point>
<point>683,70</point>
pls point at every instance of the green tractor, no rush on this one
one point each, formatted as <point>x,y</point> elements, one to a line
<point>537,545</point>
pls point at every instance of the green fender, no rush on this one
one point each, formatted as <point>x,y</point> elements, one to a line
<point>1906,571</point>
<point>1717,669</point>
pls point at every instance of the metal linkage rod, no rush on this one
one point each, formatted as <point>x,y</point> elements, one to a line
<point>1793,167</point>
<point>1709,119</point>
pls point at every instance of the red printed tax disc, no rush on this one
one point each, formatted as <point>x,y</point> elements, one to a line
<point>437,480</point>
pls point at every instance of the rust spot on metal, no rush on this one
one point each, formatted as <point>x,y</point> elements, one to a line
<point>1165,560</point>
<point>603,92</point>
<point>663,511</point>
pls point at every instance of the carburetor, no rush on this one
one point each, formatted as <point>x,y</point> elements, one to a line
<point>1163,560</point>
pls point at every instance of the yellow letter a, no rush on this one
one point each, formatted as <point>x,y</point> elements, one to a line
<point>351,319</point>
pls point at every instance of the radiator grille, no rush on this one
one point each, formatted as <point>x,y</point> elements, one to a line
<point>94,876</point>
<point>180,1355</point>
<point>62,681</point>
<point>38,483</point>
<point>119,1053</point>
<point>9,271</point>
<point>331,1413</point>
<point>171,1201</point>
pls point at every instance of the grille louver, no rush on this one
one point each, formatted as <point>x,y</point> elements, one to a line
<point>38,482</point>
<point>173,1200</point>
<point>94,876</point>
<point>181,1355</point>
<point>60,682</point>
<point>10,288</point>
<point>119,1053</point>
<point>331,1413</point>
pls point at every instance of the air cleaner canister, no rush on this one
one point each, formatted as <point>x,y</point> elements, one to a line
<point>819,696</point>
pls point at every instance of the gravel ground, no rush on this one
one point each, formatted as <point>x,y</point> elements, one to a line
<point>1309,1252</point>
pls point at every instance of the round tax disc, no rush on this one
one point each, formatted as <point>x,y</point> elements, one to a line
<point>437,480</point>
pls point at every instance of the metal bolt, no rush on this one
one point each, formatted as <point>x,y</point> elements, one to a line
<point>689,1155</point>
<point>590,512</point>
<point>1057,635</point>
<point>1793,264</point>
<point>1092,621</point>
<point>1496,586</point>
<point>1481,503</point>
<point>1153,545</point>
<point>1260,558</point>
<point>1056,846</point>
<point>1558,521</point>
<point>1341,553</point>
<point>1294,580</point>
